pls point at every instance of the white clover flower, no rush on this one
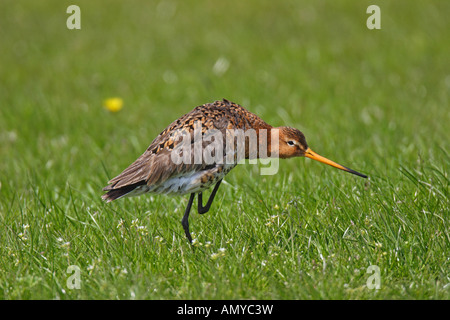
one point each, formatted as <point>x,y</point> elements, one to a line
<point>220,253</point>
<point>214,256</point>
<point>65,245</point>
<point>196,243</point>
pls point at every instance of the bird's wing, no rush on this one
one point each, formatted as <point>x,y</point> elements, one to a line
<point>166,157</point>
<point>161,160</point>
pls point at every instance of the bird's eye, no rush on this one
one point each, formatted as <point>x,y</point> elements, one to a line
<point>290,142</point>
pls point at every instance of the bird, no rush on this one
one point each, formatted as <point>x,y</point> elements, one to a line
<point>175,162</point>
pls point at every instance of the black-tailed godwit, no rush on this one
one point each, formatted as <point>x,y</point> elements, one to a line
<point>175,162</point>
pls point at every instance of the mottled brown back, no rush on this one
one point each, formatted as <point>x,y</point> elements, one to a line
<point>155,166</point>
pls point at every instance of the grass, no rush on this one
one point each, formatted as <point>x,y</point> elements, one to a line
<point>375,100</point>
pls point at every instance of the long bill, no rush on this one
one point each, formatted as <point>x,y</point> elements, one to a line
<point>312,155</point>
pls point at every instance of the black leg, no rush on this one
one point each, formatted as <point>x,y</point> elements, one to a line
<point>204,209</point>
<point>184,221</point>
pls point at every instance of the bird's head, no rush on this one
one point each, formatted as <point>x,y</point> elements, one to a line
<point>292,143</point>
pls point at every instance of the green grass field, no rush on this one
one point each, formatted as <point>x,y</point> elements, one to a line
<point>374,100</point>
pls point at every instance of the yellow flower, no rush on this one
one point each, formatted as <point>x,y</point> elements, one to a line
<point>113,104</point>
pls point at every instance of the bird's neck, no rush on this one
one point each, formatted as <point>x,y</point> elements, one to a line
<point>259,145</point>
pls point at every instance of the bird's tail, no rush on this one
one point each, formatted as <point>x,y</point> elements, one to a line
<point>114,194</point>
